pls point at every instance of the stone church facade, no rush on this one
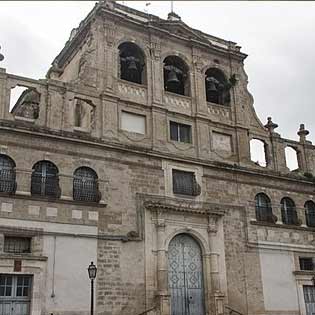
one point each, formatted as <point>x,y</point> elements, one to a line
<point>134,152</point>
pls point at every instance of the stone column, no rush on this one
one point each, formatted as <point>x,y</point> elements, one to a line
<point>216,297</point>
<point>156,71</point>
<point>162,286</point>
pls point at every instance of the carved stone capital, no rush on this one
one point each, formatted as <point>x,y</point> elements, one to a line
<point>212,224</point>
<point>155,50</point>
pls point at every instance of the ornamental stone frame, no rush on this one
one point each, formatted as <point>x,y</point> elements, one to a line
<point>166,219</point>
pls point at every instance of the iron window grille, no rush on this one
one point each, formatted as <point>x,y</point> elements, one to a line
<point>263,209</point>
<point>7,175</point>
<point>85,185</point>
<point>17,245</point>
<point>180,132</point>
<point>306,263</point>
<point>184,183</point>
<point>310,213</point>
<point>288,212</point>
<point>45,180</point>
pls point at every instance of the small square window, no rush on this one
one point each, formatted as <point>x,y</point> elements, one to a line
<point>306,263</point>
<point>184,183</point>
<point>180,132</point>
<point>17,245</point>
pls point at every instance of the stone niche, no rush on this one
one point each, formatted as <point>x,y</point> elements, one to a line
<point>83,115</point>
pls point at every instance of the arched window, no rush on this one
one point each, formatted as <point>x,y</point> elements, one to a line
<point>217,87</point>
<point>132,64</point>
<point>310,213</point>
<point>45,180</point>
<point>85,185</point>
<point>176,78</point>
<point>263,208</point>
<point>288,211</point>
<point>258,152</point>
<point>7,174</point>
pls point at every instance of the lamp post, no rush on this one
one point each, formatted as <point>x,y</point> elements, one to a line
<point>1,56</point>
<point>92,275</point>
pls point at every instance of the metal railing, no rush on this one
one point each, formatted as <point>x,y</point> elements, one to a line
<point>310,218</point>
<point>265,214</point>
<point>232,311</point>
<point>7,181</point>
<point>45,186</point>
<point>86,190</point>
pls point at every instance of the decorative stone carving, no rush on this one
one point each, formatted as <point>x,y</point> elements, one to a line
<point>131,90</point>
<point>271,126</point>
<point>110,33</point>
<point>302,133</point>
<point>176,101</point>
<point>27,105</point>
<point>212,223</point>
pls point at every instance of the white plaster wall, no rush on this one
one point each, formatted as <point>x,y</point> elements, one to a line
<point>72,256</point>
<point>71,290</point>
<point>279,284</point>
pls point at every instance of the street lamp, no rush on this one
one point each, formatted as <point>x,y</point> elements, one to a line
<point>1,56</point>
<point>92,275</point>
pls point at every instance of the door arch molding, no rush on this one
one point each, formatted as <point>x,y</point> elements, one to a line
<point>202,242</point>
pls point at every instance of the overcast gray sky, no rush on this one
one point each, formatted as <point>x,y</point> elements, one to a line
<point>279,38</point>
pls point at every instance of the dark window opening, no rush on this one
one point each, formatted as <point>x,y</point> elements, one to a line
<point>17,245</point>
<point>85,185</point>
<point>176,76</point>
<point>288,212</point>
<point>7,175</point>
<point>263,208</point>
<point>180,132</point>
<point>184,183</point>
<point>132,63</point>
<point>310,213</point>
<point>45,180</point>
<point>306,263</point>
<point>217,87</point>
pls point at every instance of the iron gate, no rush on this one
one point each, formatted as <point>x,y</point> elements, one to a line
<point>185,276</point>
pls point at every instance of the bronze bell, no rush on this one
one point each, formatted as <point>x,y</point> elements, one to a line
<point>211,89</point>
<point>132,67</point>
<point>172,80</point>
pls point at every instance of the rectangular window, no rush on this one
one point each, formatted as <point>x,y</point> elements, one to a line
<point>133,122</point>
<point>184,183</point>
<point>306,263</point>
<point>180,132</point>
<point>17,245</point>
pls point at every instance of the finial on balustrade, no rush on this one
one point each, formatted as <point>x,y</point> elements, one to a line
<point>271,126</point>
<point>302,133</point>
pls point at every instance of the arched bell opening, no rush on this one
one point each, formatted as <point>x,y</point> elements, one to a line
<point>132,63</point>
<point>217,87</point>
<point>176,78</point>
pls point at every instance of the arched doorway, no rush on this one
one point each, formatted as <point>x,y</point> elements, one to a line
<point>185,276</point>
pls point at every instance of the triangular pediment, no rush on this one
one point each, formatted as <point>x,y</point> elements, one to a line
<point>179,28</point>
